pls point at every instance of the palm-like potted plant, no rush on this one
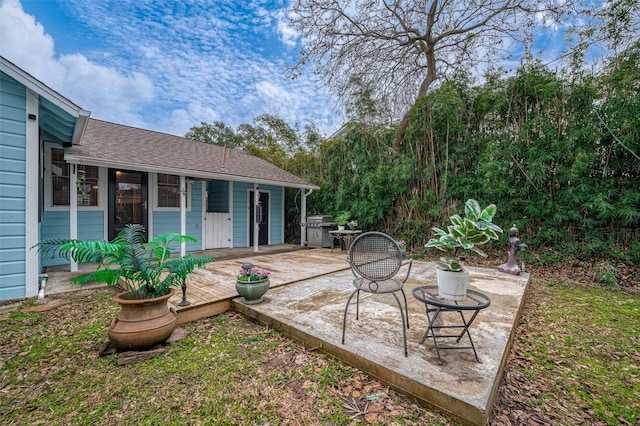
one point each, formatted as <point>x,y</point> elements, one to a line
<point>145,270</point>
<point>464,233</point>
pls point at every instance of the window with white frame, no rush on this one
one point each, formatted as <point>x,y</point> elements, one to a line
<point>169,191</point>
<point>86,183</point>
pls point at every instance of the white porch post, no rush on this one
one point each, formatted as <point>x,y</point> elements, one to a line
<point>32,189</point>
<point>231,213</point>
<point>303,216</point>
<point>183,212</point>
<point>256,222</point>
<point>73,208</point>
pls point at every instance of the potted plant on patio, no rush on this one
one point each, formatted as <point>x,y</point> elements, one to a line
<point>342,219</point>
<point>252,283</point>
<point>467,233</point>
<point>146,272</point>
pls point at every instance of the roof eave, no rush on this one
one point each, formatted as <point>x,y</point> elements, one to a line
<point>78,159</point>
<point>80,127</point>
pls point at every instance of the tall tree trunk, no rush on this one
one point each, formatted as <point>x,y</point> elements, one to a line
<point>422,91</point>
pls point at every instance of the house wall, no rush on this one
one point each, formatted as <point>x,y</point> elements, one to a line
<point>92,226</point>
<point>276,215</point>
<point>55,224</point>
<point>169,221</point>
<point>25,218</point>
<point>241,212</point>
<point>13,141</point>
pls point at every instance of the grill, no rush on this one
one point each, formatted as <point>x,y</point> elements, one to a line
<point>318,228</point>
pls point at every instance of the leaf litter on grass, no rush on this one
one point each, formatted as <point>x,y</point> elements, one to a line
<point>235,371</point>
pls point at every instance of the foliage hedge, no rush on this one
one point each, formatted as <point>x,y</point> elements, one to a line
<point>557,154</point>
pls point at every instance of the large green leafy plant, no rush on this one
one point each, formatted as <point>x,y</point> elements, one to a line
<point>144,269</point>
<point>465,233</point>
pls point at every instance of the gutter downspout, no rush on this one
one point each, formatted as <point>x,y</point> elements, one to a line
<point>303,217</point>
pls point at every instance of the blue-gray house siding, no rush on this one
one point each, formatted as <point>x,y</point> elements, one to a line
<point>12,187</point>
<point>276,220</point>
<point>241,212</point>
<point>55,224</point>
<point>164,222</point>
<point>91,224</point>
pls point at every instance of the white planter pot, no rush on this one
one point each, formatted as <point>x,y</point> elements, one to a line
<point>340,228</point>
<point>453,285</point>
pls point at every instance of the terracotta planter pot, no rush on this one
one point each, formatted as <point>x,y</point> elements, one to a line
<point>453,285</point>
<point>142,323</point>
<point>252,291</point>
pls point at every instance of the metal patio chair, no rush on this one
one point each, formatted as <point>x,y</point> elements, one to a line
<point>375,260</point>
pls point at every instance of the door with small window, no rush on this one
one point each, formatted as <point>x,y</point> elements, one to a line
<point>262,212</point>
<point>128,199</point>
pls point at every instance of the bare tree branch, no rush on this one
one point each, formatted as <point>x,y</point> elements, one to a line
<point>399,49</point>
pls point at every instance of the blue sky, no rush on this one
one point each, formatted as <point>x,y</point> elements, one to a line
<point>166,65</point>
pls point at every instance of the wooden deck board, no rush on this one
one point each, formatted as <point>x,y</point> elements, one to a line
<point>211,289</point>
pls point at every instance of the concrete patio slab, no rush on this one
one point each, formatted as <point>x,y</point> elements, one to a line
<point>311,311</point>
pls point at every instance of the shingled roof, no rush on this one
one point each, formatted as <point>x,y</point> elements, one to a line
<point>117,146</point>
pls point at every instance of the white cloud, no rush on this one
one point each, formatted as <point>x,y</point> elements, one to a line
<point>24,41</point>
<point>272,92</point>
<point>105,91</point>
<point>288,35</point>
<point>195,113</point>
<point>113,95</point>
<point>168,66</point>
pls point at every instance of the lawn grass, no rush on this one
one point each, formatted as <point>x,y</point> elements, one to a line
<point>582,345</point>
<point>575,359</point>
<point>227,371</point>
